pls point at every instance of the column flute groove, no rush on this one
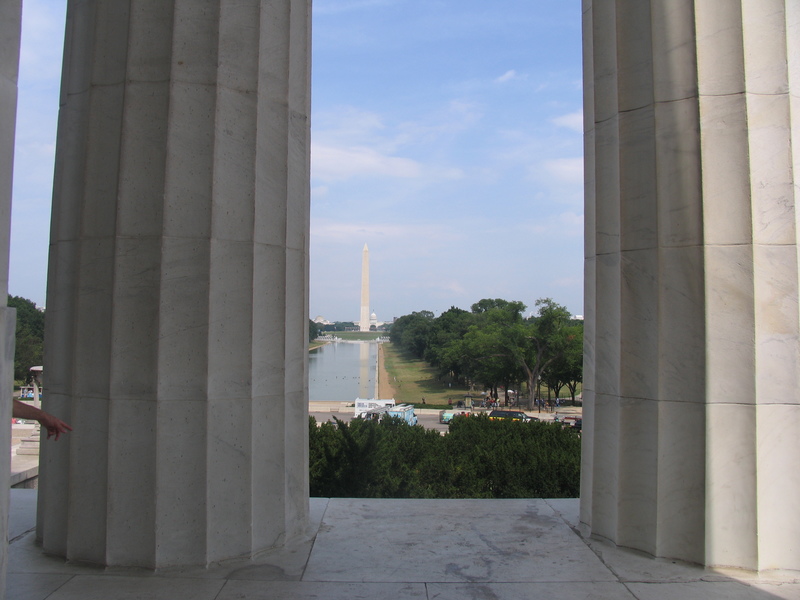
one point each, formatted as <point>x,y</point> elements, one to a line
<point>185,386</point>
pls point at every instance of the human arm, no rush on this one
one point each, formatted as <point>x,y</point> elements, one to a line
<point>54,425</point>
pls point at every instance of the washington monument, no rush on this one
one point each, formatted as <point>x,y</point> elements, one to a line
<point>363,323</point>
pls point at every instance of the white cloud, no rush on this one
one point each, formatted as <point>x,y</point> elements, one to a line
<point>340,6</point>
<point>569,170</point>
<point>407,234</point>
<point>349,142</point>
<point>319,192</point>
<point>566,224</point>
<point>440,125</point>
<point>567,282</point>
<point>450,287</point>
<point>573,121</point>
<point>464,112</point>
<point>347,124</point>
<point>42,40</point>
<point>507,76</point>
<point>451,173</point>
<point>330,163</point>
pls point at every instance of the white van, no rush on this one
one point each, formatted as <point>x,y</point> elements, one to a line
<point>363,405</point>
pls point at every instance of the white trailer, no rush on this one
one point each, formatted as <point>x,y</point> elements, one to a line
<point>363,405</point>
<point>401,411</point>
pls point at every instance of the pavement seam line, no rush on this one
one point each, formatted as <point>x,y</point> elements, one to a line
<point>577,532</point>
<point>21,535</point>
<point>314,539</point>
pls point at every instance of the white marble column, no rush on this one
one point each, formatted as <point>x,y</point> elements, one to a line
<point>10,28</point>
<point>177,293</point>
<point>692,402</point>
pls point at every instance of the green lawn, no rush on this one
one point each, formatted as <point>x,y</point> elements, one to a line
<point>414,379</point>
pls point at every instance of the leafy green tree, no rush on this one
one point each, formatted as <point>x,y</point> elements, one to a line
<point>537,342</point>
<point>314,330</point>
<point>446,329</point>
<point>485,356</point>
<point>411,332</point>
<point>492,363</point>
<point>342,459</point>
<point>575,372</point>
<point>494,344</point>
<point>513,308</point>
<point>566,370</point>
<point>339,326</point>
<point>29,346</point>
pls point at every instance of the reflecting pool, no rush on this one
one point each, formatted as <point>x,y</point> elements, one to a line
<point>343,371</point>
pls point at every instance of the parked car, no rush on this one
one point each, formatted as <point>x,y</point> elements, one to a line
<point>514,415</point>
<point>445,416</point>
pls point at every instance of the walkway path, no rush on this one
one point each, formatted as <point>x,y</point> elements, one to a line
<point>385,389</point>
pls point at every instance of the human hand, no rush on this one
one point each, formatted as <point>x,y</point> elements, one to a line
<point>55,426</point>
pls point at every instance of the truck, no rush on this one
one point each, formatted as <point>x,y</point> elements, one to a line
<point>401,411</point>
<point>363,405</point>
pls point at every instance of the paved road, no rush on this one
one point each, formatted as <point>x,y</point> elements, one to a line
<point>429,421</point>
<point>430,418</point>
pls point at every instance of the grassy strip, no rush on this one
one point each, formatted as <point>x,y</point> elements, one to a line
<point>414,379</point>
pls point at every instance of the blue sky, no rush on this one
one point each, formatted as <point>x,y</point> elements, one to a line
<point>446,134</point>
<point>37,113</point>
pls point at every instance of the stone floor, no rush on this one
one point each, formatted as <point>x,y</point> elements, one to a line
<point>402,549</point>
<point>23,466</point>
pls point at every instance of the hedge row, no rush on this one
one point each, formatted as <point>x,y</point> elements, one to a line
<point>478,458</point>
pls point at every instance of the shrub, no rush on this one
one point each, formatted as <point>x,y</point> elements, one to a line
<point>478,458</point>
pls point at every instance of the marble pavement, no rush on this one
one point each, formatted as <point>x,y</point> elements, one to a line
<point>402,549</point>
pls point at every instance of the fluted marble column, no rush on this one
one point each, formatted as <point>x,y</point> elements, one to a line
<point>177,292</point>
<point>692,402</point>
<point>10,27</point>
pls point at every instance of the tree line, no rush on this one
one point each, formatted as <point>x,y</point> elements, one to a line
<point>478,458</point>
<point>494,345</point>
<point>29,344</point>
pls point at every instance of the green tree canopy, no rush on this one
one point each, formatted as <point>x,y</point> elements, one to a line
<point>567,368</point>
<point>314,330</point>
<point>490,304</point>
<point>495,345</point>
<point>29,346</point>
<point>537,342</point>
<point>411,332</point>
